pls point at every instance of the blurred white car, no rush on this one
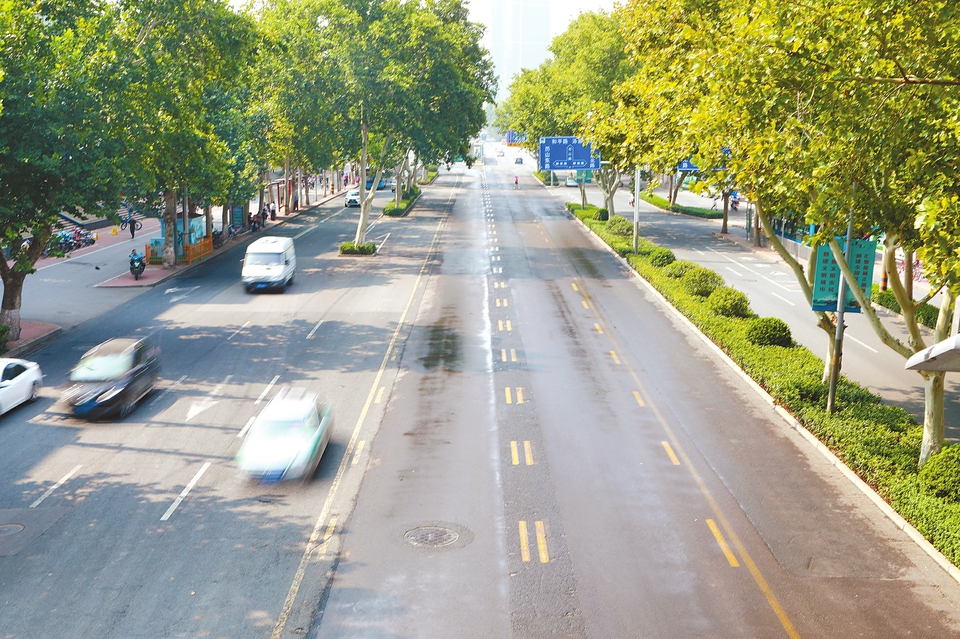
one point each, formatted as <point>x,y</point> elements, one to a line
<point>20,382</point>
<point>287,439</point>
<point>352,198</point>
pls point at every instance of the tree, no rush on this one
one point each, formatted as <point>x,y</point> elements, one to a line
<point>58,150</point>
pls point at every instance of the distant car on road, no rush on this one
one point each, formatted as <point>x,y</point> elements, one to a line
<point>392,183</point>
<point>20,382</point>
<point>112,378</point>
<point>571,181</point>
<point>518,160</point>
<point>287,439</point>
<point>352,198</point>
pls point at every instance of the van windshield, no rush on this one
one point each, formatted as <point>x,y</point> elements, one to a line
<point>264,258</point>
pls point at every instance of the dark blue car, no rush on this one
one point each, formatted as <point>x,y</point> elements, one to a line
<point>112,378</point>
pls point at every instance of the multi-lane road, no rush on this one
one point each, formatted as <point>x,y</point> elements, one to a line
<point>527,444</point>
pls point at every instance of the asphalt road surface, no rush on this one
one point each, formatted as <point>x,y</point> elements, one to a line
<point>527,444</point>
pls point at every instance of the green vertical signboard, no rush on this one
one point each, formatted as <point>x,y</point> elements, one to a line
<point>826,284</point>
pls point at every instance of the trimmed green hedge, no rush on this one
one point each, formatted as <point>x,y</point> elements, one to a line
<point>926,314</point>
<point>656,200</point>
<point>406,201</point>
<point>349,248</point>
<point>879,442</point>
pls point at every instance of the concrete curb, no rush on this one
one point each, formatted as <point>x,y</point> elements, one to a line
<point>34,344</point>
<point>789,422</point>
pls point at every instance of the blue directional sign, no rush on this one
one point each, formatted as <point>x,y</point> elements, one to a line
<point>687,167</point>
<point>567,153</point>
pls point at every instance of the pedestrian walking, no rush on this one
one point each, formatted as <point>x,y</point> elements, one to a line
<point>132,224</point>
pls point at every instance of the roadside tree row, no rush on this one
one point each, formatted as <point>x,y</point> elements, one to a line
<point>190,104</point>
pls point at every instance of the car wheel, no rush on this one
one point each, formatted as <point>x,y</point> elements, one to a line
<point>127,408</point>
<point>290,281</point>
<point>34,391</point>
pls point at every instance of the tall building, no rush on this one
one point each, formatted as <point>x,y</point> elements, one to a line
<point>518,34</point>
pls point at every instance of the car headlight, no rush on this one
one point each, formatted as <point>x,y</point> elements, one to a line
<point>110,394</point>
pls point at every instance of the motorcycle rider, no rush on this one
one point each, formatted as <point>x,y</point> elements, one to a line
<point>137,263</point>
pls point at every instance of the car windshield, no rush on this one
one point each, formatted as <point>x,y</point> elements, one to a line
<point>280,427</point>
<point>258,259</point>
<point>101,368</point>
<point>353,194</point>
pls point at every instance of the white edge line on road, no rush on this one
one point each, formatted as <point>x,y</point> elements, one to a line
<point>303,232</point>
<point>314,330</point>
<point>869,348</point>
<point>734,271</point>
<point>782,298</point>
<point>245,324</point>
<point>246,427</point>
<point>267,389</point>
<point>185,491</point>
<point>385,238</point>
<point>791,423</point>
<point>56,485</point>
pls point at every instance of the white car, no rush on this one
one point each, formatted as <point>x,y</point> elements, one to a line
<point>287,439</point>
<point>20,382</point>
<point>352,198</point>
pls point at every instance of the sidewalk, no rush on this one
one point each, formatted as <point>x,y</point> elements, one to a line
<point>155,273</point>
<point>35,334</point>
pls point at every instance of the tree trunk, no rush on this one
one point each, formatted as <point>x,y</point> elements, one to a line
<point>932,414</point>
<point>208,216</point>
<point>169,228</point>
<point>726,212</point>
<point>10,308</point>
<point>286,185</point>
<point>608,179</point>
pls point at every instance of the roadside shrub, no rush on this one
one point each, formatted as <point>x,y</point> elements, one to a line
<point>701,281</point>
<point>729,302</point>
<point>940,476</point>
<point>769,331</point>
<point>661,257</point>
<point>679,268</point>
<point>619,225</point>
<point>602,214</point>
<point>349,248</point>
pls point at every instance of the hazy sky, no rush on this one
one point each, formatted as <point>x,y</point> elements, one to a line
<point>561,11</point>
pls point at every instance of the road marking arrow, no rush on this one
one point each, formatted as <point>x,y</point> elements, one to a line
<point>174,289</point>
<point>198,407</point>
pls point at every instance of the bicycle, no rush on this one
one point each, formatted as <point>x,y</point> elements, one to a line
<point>137,224</point>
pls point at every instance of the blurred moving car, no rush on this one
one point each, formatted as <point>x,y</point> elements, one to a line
<point>571,181</point>
<point>20,382</point>
<point>112,378</point>
<point>518,160</point>
<point>352,198</point>
<point>287,439</point>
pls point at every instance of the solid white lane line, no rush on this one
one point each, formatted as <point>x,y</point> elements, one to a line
<point>303,232</point>
<point>861,343</point>
<point>243,431</point>
<point>737,273</point>
<point>267,389</point>
<point>312,332</point>
<point>385,238</point>
<point>185,491</point>
<point>782,298</point>
<point>56,485</point>
<point>245,324</point>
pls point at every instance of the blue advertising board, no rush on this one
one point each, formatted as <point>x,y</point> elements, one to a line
<point>567,153</point>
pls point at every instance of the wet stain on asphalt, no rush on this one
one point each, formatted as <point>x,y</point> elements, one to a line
<point>443,349</point>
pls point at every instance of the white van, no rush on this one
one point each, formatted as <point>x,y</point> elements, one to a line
<point>270,262</point>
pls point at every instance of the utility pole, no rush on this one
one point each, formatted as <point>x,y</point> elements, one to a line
<point>636,209</point>
<point>838,338</point>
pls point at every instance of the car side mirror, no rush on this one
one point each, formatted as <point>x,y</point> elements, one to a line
<point>287,262</point>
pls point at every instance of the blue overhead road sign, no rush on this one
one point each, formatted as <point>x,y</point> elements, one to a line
<point>687,166</point>
<point>567,153</point>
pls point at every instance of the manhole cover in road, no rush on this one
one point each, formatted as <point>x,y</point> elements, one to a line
<point>431,536</point>
<point>6,530</point>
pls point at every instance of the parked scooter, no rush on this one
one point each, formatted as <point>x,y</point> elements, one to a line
<point>138,264</point>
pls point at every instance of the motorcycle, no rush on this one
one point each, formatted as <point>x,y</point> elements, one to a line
<point>138,264</point>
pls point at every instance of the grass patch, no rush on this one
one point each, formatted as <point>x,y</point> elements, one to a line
<point>349,248</point>
<point>406,202</point>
